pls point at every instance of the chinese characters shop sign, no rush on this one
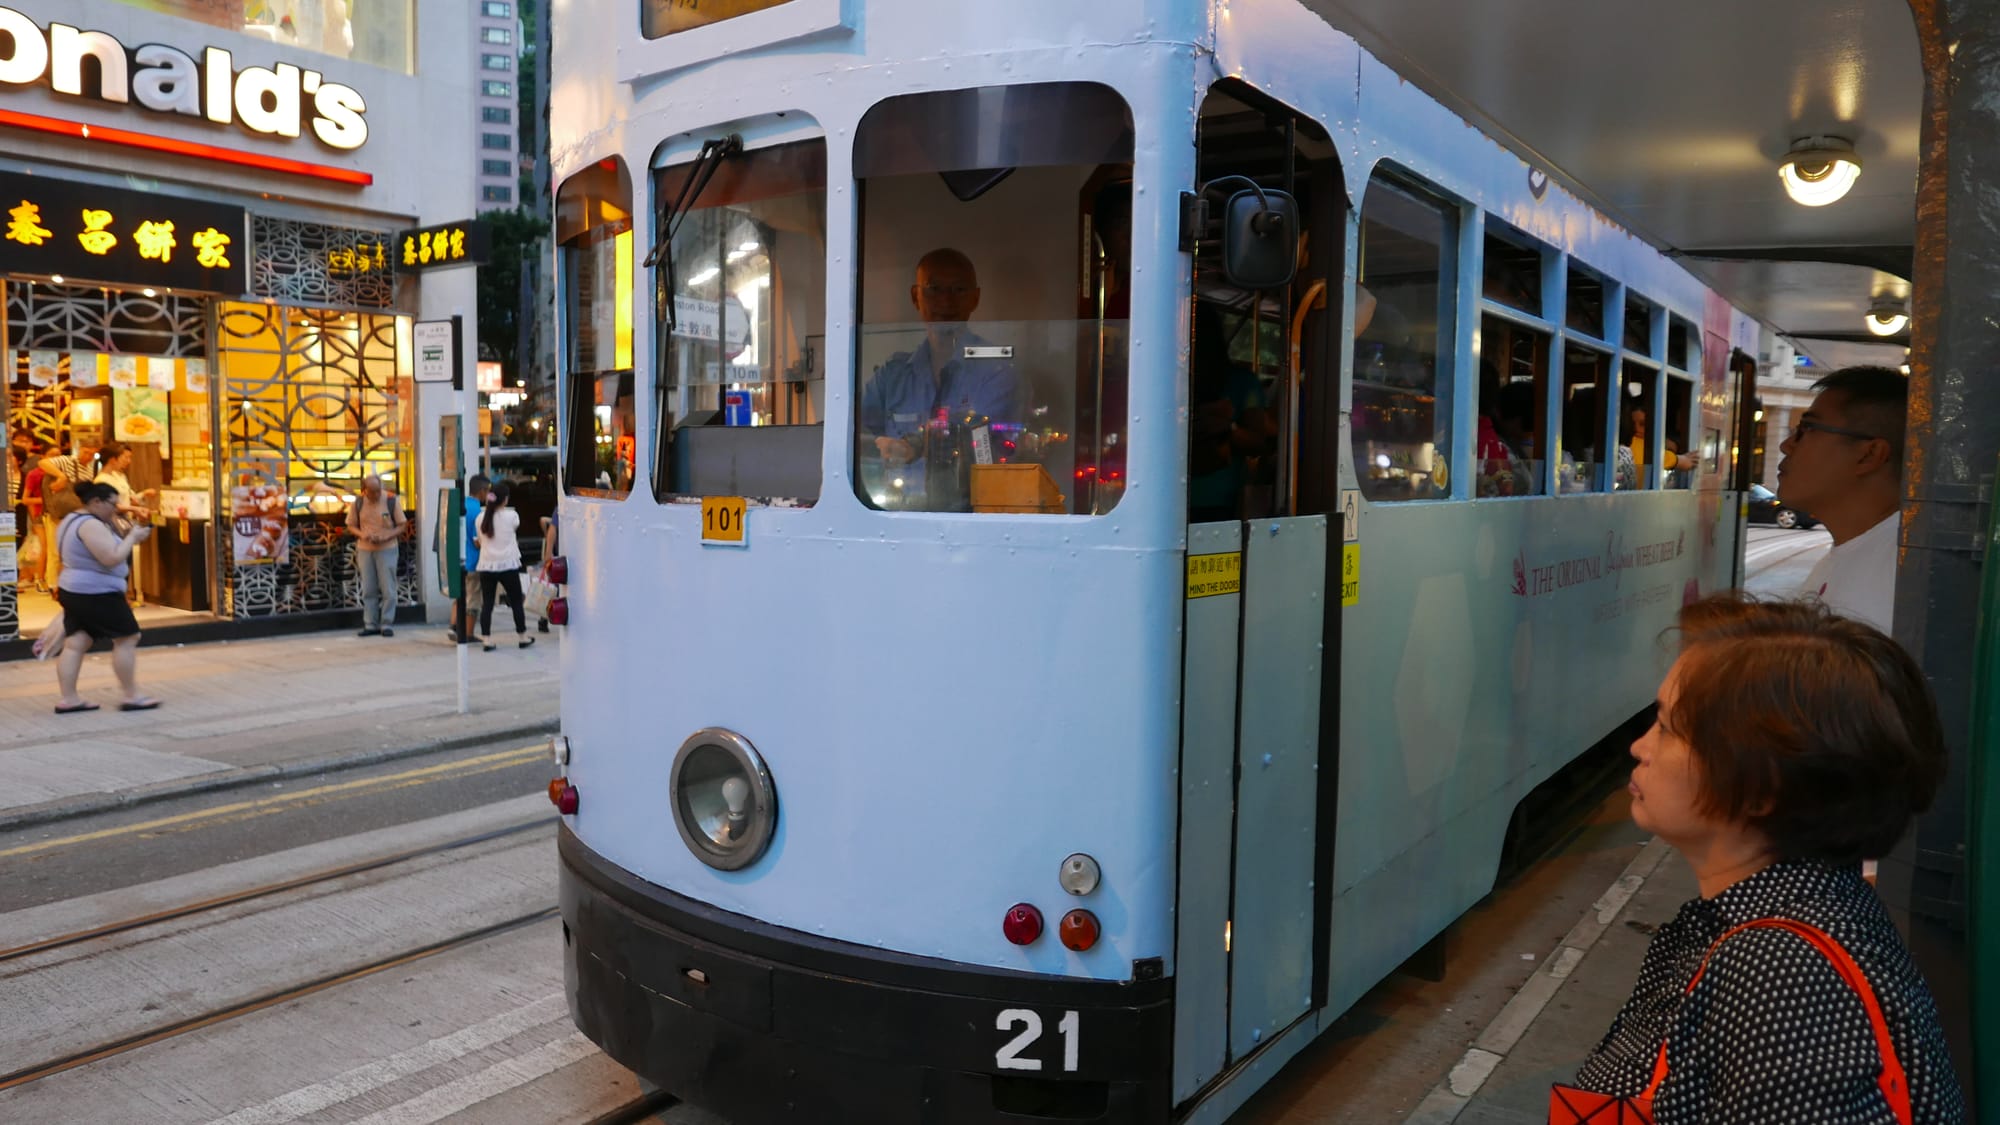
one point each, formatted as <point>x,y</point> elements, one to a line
<point>121,237</point>
<point>468,243</point>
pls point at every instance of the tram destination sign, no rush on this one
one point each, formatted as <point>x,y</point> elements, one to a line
<point>121,237</point>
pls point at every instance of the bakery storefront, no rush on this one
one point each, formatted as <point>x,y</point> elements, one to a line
<point>243,352</point>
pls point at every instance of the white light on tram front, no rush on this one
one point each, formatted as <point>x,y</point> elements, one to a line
<point>723,801</point>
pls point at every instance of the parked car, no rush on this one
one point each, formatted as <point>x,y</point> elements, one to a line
<point>531,470</point>
<point>1766,508</point>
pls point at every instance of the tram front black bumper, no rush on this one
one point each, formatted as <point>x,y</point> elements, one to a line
<point>764,1024</point>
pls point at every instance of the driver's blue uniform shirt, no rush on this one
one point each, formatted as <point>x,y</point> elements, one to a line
<point>902,397</point>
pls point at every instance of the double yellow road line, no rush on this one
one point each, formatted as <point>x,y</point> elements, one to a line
<point>245,810</point>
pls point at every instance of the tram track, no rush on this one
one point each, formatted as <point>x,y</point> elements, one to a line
<point>331,874</point>
<point>237,1010</point>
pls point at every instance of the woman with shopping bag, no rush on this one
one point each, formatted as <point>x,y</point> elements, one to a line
<point>1790,745</point>
<point>91,590</point>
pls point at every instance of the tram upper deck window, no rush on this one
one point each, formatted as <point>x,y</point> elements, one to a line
<point>594,234</point>
<point>665,17</point>
<point>1585,310</point>
<point>742,381</point>
<point>1513,378</point>
<point>1585,420</point>
<point>990,370</point>
<point>1679,428</point>
<point>1405,320</point>
<point>1635,421</point>
<point>1512,268</point>
<point>1638,325</point>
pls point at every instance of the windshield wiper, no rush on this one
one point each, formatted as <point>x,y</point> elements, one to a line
<point>713,153</point>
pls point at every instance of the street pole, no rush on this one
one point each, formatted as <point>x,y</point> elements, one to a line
<point>1952,445</point>
<point>470,388</point>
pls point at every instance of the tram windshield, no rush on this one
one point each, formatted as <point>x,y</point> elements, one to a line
<point>991,348</point>
<point>742,313</point>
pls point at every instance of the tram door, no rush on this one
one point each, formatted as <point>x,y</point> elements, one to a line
<point>1258,754</point>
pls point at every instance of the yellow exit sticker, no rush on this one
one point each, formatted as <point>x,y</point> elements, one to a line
<point>1350,574</point>
<point>722,519</point>
<point>1209,575</point>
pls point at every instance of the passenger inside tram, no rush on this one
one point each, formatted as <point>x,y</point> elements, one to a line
<point>922,409</point>
<point>1231,431</point>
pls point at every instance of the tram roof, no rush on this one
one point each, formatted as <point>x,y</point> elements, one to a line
<point>1673,118</point>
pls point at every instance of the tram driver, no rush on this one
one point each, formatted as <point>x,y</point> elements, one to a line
<point>923,412</point>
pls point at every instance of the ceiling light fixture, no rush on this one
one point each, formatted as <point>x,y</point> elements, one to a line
<point>1888,316</point>
<point>1819,170</point>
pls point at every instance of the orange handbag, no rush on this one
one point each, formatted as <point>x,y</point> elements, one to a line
<point>1571,1106</point>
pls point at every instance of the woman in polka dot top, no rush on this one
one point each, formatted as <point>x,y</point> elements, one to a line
<point>1790,744</point>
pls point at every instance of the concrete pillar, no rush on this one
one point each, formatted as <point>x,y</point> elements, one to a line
<point>1953,442</point>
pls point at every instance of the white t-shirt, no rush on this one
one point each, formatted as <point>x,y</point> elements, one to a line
<point>1858,578</point>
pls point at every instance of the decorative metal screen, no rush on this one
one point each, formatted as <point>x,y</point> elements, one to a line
<point>312,403</point>
<point>315,264</point>
<point>78,318</point>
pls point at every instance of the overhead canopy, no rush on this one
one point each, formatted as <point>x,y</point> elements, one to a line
<point>1673,119</point>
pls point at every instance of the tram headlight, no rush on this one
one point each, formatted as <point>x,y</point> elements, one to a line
<point>724,803</point>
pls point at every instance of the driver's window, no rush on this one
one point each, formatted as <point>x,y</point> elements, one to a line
<point>991,340</point>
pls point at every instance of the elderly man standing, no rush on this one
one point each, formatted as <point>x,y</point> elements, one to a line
<point>376,522</point>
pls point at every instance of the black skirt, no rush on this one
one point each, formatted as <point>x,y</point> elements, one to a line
<point>106,617</point>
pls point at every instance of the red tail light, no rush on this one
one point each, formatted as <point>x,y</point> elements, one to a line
<point>1022,925</point>
<point>557,572</point>
<point>1078,930</point>
<point>563,796</point>
<point>558,611</point>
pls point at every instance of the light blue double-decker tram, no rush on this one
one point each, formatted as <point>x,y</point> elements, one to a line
<point>1084,523</point>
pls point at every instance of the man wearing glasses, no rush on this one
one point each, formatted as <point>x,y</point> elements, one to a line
<point>1844,463</point>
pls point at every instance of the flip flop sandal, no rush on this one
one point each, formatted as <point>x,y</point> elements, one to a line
<point>140,705</point>
<point>75,708</point>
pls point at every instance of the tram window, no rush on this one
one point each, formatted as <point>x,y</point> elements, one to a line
<point>1635,422</point>
<point>1513,269</point>
<point>742,382</point>
<point>1586,378</point>
<point>990,369</point>
<point>594,234</point>
<point>1638,325</point>
<point>1585,304</point>
<point>1513,382</point>
<point>1402,352</point>
<point>1677,344</point>
<point>665,17</point>
<point>1679,411</point>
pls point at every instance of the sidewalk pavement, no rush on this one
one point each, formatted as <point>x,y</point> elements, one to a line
<point>1557,1018</point>
<point>236,712</point>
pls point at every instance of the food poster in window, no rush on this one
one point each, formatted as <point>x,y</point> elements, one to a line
<point>194,373</point>
<point>139,414</point>
<point>160,373</point>
<point>258,525</point>
<point>83,370</point>
<point>123,371</point>
<point>44,368</point>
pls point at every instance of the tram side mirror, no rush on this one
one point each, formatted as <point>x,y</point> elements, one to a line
<point>1260,239</point>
